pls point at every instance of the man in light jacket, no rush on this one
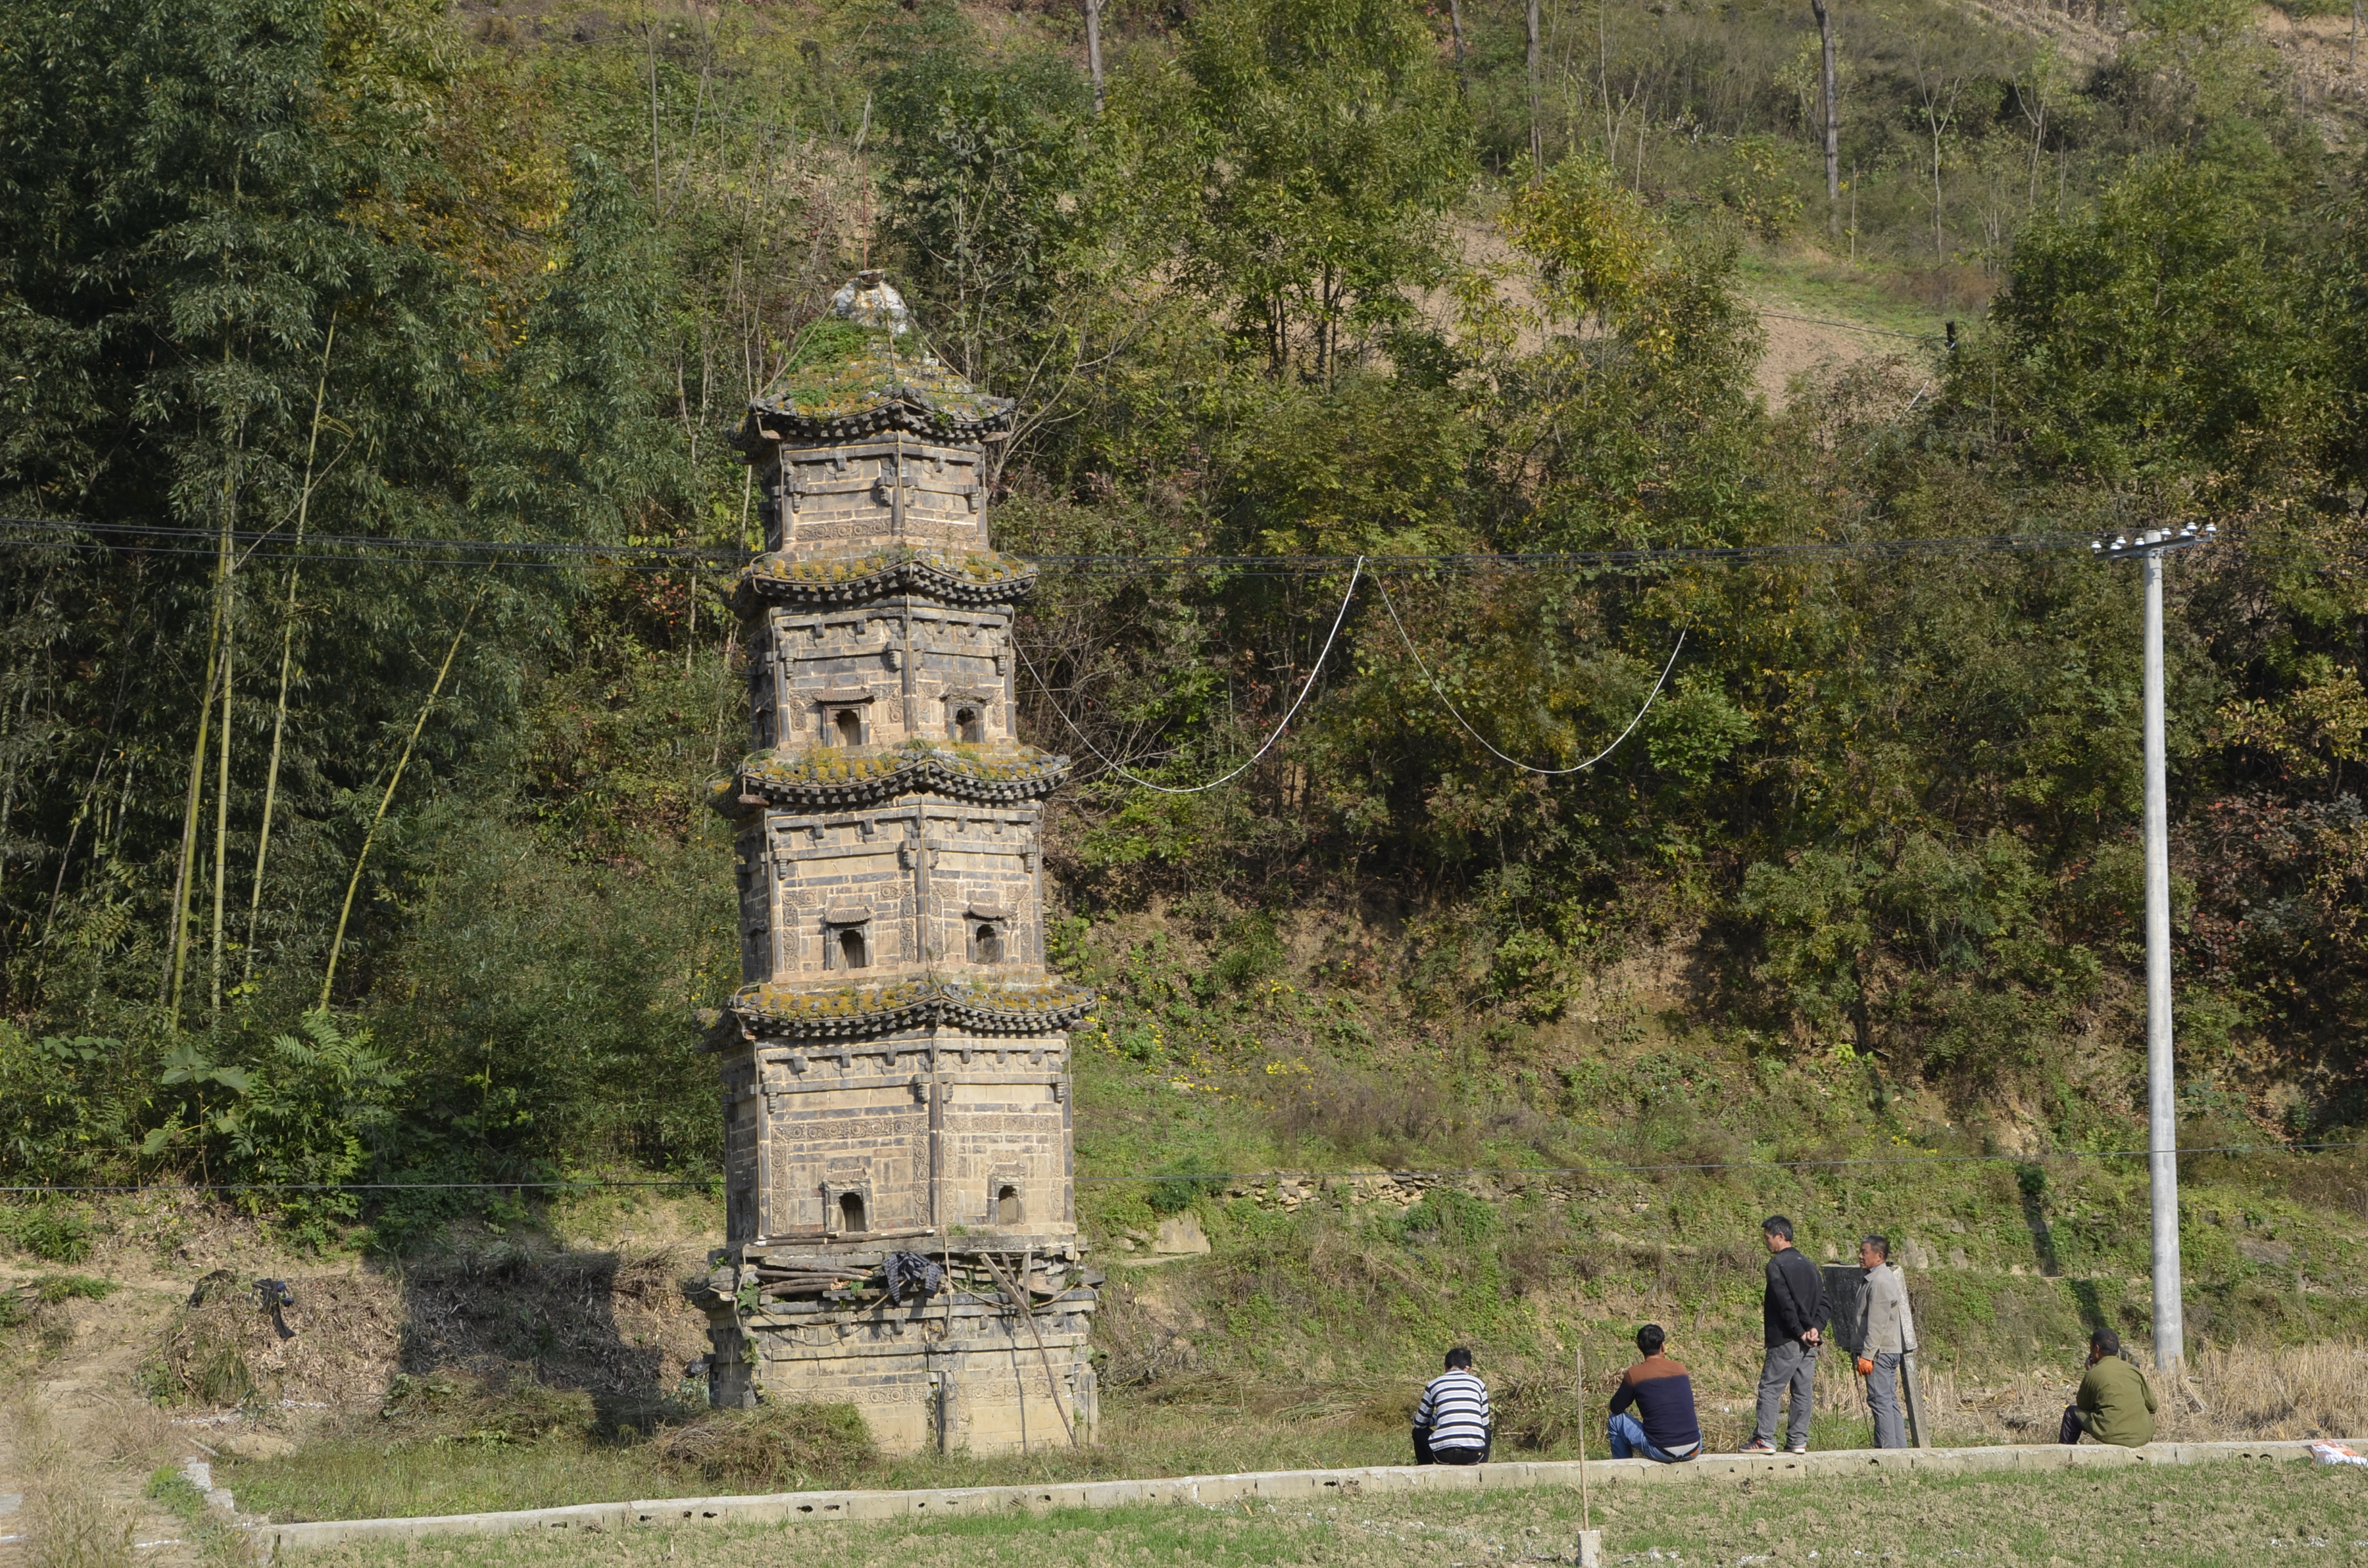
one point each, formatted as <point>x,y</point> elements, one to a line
<point>1885,1333</point>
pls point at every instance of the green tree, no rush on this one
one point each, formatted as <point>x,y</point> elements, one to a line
<point>1331,141</point>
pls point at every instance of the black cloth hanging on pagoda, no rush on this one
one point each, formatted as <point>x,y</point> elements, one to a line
<point>911,1270</point>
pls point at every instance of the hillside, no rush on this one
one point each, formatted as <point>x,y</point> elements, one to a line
<point>370,511</point>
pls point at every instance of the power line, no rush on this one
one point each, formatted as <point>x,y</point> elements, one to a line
<point>1650,697</point>
<point>428,550</point>
<point>1147,1177</point>
<point>386,543</point>
<point>1853,327</point>
<point>1307,686</point>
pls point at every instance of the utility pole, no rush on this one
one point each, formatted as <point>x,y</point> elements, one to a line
<point>2162,1118</point>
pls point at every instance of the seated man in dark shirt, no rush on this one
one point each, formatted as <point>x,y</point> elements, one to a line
<point>1663,1429</point>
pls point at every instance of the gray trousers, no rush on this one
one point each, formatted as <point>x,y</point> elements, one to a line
<point>1793,1365</point>
<point>1882,1398</point>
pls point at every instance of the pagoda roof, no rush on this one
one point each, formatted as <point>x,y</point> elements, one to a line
<point>863,372</point>
<point>866,1011</point>
<point>844,777</point>
<point>958,577</point>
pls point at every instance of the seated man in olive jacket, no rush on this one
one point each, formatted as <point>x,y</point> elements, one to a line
<point>2115,1405</point>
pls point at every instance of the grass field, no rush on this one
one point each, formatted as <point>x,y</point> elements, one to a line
<point>355,1476</point>
<point>2286,1513</point>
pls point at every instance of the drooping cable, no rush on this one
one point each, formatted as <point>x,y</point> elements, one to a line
<point>1651,698</point>
<point>1355,576</point>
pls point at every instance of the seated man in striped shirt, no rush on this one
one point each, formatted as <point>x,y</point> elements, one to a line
<point>1663,1429</point>
<point>1450,1425</point>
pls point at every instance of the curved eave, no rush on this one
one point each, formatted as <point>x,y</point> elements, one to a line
<point>1031,777</point>
<point>775,580</point>
<point>856,1014</point>
<point>900,410</point>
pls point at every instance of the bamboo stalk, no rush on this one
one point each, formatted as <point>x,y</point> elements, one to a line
<point>222,778</point>
<point>184,879</point>
<point>8,795</point>
<point>189,809</point>
<point>287,653</point>
<point>336,943</point>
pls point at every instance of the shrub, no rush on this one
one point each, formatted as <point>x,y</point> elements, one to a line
<point>789,1445</point>
<point>502,1410</point>
<point>1181,1181</point>
<point>47,1231</point>
<point>202,1359</point>
<point>1451,1218</point>
<point>178,1492</point>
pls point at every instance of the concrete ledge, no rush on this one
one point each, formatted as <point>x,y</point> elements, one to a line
<point>1272,1486</point>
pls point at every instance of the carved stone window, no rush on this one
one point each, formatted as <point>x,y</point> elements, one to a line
<point>847,939</point>
<point>850,1205</point>
<point>966,718</point>
<point>1007,1204</point>
<point>844,727</point>
<point>988,934</point>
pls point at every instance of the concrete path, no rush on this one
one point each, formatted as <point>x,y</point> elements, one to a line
<point>1288,1486</point>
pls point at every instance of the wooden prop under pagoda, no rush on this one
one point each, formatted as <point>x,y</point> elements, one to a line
<point>899,1168</point>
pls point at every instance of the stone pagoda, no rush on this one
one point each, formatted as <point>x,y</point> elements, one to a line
<point>900,1216</point>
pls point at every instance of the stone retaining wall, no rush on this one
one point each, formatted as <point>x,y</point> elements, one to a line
<point>1289,1485</point>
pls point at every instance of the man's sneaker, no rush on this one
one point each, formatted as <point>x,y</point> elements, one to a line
<point>1757,1446</point>
<point>1797,1449</point>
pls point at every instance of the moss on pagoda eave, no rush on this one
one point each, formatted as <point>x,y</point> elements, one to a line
<point>836,777</point>
<point>858,1012</point>
<point>874,390</point>
<point>966,577</point>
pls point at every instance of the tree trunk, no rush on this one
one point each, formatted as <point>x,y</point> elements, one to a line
<point>1455,30</point>
<point>178,948</point>
<point>1094,49</point>
<point>1831,95</point>
<point>1537,145</point>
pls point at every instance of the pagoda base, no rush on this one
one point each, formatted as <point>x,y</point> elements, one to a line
<point>952,1372</point>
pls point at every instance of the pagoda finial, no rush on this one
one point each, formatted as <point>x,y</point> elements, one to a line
<point>871,300</point>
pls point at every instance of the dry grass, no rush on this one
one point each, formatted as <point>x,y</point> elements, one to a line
<point>2310,1390</point>
<point>783,1447</point>
<point>69,1521</point>
<point>128,1430</point>
<point>2245,1392</point>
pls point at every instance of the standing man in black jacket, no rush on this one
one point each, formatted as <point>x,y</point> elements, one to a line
<point>1793,1315</point>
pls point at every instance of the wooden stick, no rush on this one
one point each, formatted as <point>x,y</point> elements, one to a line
<point>1028,1310</point>
<point>1578,1372</point>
